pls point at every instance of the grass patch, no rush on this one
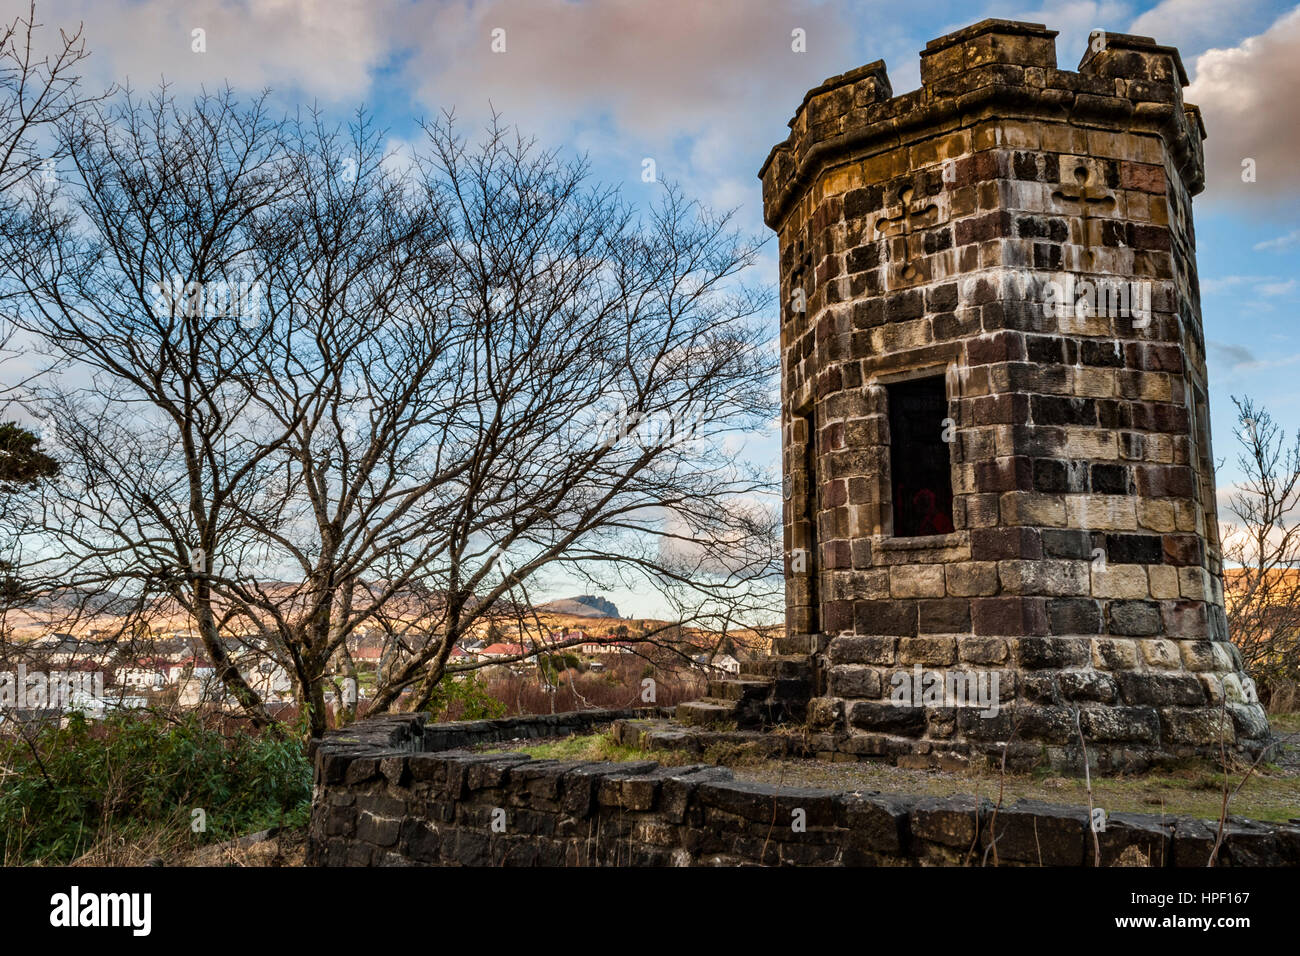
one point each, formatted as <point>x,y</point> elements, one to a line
<point>734,755</point>
<point>603,747</point>
<point>1284,724</point>
<point>600,747</point>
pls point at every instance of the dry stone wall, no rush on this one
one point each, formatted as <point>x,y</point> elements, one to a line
<point>382,799</point>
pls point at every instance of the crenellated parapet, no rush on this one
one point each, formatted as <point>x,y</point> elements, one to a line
<point>993,69</point>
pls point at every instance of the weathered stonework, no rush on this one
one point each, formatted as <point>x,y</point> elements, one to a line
<point>387,795</point>
<point>933,234</point>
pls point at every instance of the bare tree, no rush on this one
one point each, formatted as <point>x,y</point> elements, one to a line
<point>607,358</point>
<point>1262,554</point>
<point>161,203</point>
<point>442,382</point>
<point>37,93</point>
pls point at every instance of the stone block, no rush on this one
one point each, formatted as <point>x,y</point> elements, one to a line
<point>1037,653</point>
<point>1074,616</point>
<point>947,616</point>
<point>1120,581</point>
<point>876,822</point>
<point>854,681</point>
<point>863,650</point>
<point>951,822</point>
<point>1133,618</point>
<point>886,618</point>
<point>887,717</point>
<point>982,650</point>
<point>917,581</point>
<point>1162,689</point>
<point>1033,832</point>
<point>927,650</point>
<point>1056,578</point>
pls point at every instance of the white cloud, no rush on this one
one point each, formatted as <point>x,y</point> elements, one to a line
<point>1265,285</point>
<point>654,69</point>
<point>1248,97</point>
<point>1221,284</point>
<point>703,89</point>
<point>1280,242</point>
<point>327,51</point>
<point>1232,359</point>
<point>1234,355</point>
<point>679,545</point>
<point>1193,25</point>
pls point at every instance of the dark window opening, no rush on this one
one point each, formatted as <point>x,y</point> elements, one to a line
<point>919,463</point>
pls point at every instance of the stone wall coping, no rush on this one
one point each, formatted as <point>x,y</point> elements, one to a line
<point>991,25</point>
<point>406,733</point>
<point>372,763</point>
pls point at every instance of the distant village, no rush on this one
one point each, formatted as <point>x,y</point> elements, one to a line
<point>169,668</point>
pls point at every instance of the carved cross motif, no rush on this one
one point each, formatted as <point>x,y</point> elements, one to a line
<point>1085,199</point>
<point>912,216</point>
<point>1086,196</point>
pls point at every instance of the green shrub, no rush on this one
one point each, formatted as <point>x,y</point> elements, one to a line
<point>552,665</point>
<point>464,697</point>
<point>133,774</point>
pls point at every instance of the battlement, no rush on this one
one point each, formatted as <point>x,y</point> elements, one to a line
<point>994,69</point>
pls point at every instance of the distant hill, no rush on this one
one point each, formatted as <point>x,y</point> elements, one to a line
<point>584,605</point>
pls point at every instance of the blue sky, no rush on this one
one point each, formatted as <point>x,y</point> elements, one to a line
<point>705,89</point>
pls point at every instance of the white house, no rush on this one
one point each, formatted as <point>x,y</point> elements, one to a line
<point>141,675</point>
<point>66,649</point>
<point>268,678</point>
<point>721,662</point>
<point>95,706</point>
<point>198,682</point>
<point>608,647</point>
<point>727,663</point>
<point>195,666</point>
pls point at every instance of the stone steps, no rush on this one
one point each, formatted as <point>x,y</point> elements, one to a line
<point>743,691</point>
<point>708,711</point>
<point>787,666</point>
<point>770,690</point>
<point>800,644</point>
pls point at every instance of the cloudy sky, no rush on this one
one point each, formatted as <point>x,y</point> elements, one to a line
<point>705,89</point>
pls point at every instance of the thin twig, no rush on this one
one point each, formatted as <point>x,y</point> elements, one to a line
<point>1087,781</point>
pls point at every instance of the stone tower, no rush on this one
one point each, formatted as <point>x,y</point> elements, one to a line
<point>1000,520</point>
